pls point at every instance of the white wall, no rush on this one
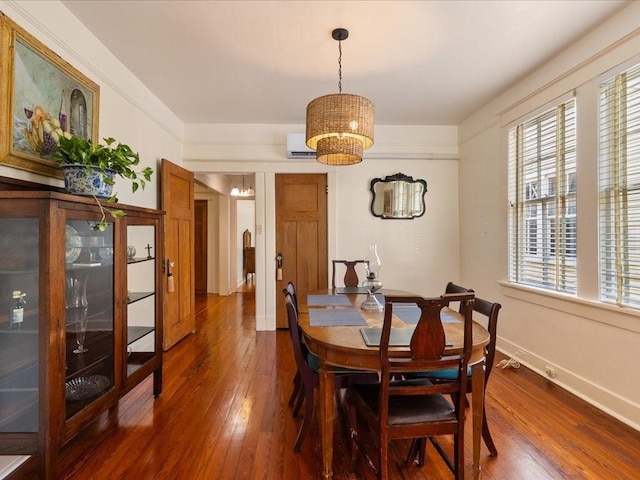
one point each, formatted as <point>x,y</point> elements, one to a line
<point>419,255</point>
<point>128,112</point>
<point>590,347</point>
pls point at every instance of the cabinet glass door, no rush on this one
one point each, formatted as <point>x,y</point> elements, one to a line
<point>89,336</point>
<point>19,326</point>
<point>141,296</point>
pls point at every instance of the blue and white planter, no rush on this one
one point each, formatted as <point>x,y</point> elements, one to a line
<point>88,181</point>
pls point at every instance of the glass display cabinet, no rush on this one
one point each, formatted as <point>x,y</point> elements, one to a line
<point>80,320</point>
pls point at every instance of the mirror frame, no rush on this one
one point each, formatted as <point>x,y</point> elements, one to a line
<point>379,212</point>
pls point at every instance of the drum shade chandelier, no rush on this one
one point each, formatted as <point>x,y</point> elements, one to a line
<point>339,126</point>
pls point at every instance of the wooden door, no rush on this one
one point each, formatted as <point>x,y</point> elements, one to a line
<point>301,235</point>
<point>201,237</point>
<point>177,185</point>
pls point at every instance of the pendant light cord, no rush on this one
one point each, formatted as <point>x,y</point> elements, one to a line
<point>340,66</point>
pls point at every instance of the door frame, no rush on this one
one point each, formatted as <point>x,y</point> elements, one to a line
<point>266,244</point>
<point>265,235</point>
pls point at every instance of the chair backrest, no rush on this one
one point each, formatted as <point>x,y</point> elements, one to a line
<point>290,288</point>
<point>453,288</point>
<point>428,348</point>
<point>299,350</point>
<point>350,275</point>
<point>489,310</point>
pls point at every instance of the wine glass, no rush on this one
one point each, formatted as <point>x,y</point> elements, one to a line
<point>80,322</point>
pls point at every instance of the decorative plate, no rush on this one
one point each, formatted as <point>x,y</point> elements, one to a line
<point>72,244</point>
<point>82,388</point>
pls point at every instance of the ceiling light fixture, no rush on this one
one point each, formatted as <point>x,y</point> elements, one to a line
<point>340,126</point>
<point>244,192</point>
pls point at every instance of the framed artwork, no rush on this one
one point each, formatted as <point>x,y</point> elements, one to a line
<point>45,99</point>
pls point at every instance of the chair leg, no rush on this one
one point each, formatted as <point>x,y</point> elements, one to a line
<point>296,388</point>
<point>307,419</point>
<point>417,451</point>
<point>384,457</point>
<point>299,400</point>
<point>353,434</point>
<point>458,460</point>
<point>486,436</point>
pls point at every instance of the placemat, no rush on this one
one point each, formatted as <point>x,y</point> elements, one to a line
<point>411,314</point>
<point>399,337</point>
<point>351,290</point>
<point>328,301</point>
<point>337,317</point>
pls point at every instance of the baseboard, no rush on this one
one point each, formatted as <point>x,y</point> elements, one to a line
<point>603,399</point>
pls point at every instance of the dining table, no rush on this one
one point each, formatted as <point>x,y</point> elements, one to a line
<point>332,322</point>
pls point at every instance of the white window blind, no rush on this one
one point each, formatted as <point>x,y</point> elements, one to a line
<point>542,200</point>
<point>619,183</point>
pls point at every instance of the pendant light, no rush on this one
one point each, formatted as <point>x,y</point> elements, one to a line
<point>340,126</point>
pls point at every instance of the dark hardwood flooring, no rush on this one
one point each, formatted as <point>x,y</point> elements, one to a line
<point>223,414</point>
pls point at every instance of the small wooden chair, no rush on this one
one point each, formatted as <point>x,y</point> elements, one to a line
<point>350,275</point>
<point>454,288</point>
<point>490,311</point>
<point>308,364</point>
<point>297,382</point>
<point>397,409</point>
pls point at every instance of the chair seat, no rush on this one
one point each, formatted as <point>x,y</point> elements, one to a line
<point>407,410</point>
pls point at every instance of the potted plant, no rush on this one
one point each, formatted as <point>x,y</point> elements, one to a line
<point>90,169</point>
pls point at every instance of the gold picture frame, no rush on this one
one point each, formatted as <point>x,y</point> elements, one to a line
<point>41,97</point>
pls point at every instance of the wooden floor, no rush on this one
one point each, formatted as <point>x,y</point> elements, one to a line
<point>223,414</point>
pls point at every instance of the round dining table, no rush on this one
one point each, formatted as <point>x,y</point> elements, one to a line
<point>344,346</point>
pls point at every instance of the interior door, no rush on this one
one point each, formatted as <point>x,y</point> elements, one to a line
<point>200,253</point>
<point>177,185</point>
<point>301,235</point>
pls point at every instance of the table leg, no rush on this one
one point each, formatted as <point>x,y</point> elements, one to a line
<point>477,394</point>
<point>327,414</point>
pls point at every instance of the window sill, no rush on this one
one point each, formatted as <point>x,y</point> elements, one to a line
<point>621,317</point>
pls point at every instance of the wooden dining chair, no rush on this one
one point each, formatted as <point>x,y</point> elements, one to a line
<point>489,311</point>
<point>290,288</point>
<point>350,276</point>
<point>401,409</point>
<point>308,366</point>
<point>454,288</point>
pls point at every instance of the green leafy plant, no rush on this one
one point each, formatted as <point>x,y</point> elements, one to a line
<point>121,159</point>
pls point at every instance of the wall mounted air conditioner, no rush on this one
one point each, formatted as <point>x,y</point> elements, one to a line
<point>297,148</point>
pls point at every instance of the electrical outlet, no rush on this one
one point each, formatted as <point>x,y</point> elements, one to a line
<point>550,371</point>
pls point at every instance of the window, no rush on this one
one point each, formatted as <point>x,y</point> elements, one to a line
<point>542,199</point>
<point>619,183</point>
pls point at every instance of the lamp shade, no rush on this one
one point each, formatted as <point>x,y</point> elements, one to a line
<point>340,117</point>
<point>339,151</point>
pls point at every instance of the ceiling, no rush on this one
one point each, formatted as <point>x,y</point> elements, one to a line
<point>419,62</point>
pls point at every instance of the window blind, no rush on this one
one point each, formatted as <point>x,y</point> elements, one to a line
<point>619,188</point>
<point>542,200</point>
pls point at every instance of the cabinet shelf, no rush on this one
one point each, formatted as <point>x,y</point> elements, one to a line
<point>131,261</point>
<point>137,296</point>
<point>135,333</point>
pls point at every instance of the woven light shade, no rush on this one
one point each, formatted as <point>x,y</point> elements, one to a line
<point>339,151</point>
<point>339,128</point>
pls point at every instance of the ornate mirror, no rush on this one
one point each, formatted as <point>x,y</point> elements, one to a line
<point>398,196</point>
